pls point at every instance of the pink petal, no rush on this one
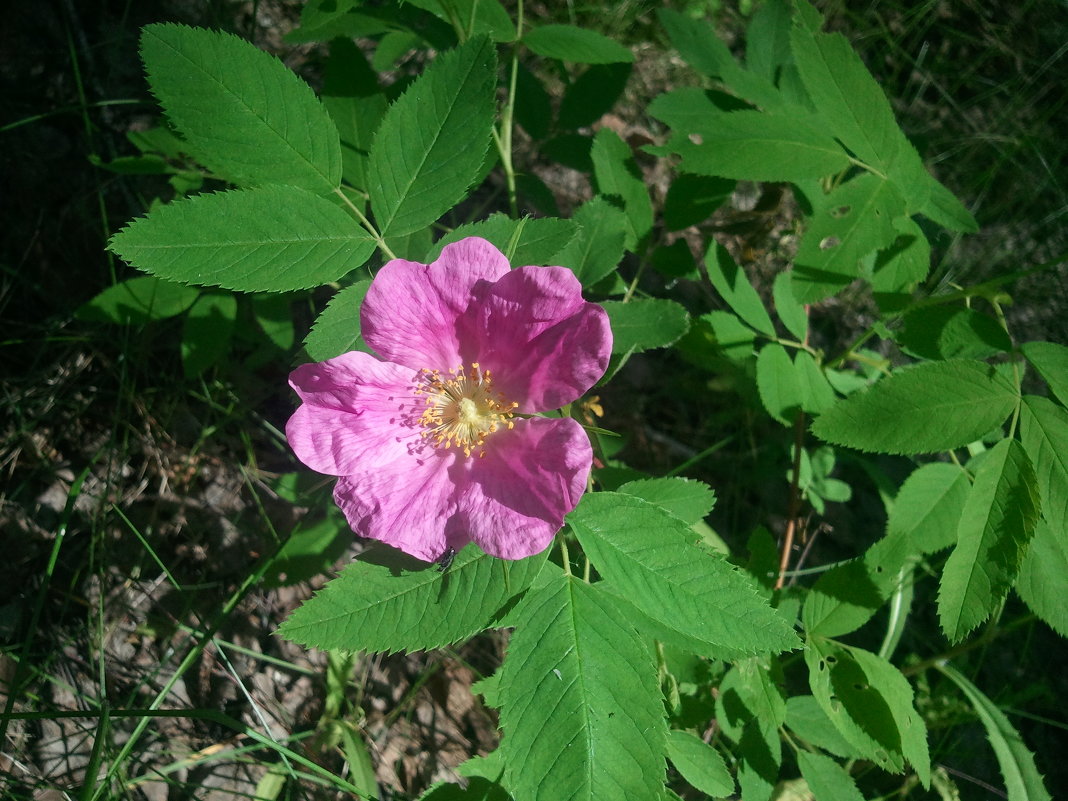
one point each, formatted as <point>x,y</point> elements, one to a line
<point>411,314</point>
<point>409,504</point>
<point>354,414</point>
<point>545,345</point>
<point>513,500</point>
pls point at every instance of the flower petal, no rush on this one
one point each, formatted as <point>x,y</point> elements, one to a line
<point>411,314</point>
<point>354,414</point>
<point>409,504</point>
<point>544,343</point>
<point>513,500</point>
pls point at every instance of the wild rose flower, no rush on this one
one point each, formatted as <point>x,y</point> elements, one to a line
<point>433,443</point>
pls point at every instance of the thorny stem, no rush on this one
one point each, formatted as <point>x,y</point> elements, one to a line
<point>379,240</point>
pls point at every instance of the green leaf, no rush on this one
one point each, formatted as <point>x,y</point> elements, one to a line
<point>905,262</point>
<point>432,143</point>
<point>598,248</point>
<point>271,239</point>
<point>733,286</point>
<point>1017,763</point>
<point>846,95</point>
<point>310,551</point>
<point>691,199</point>
<point>944,208</point>
<point>733,337</point>
<point>928,506</point>
<point>592,95</point>
<point>790,310</point>
<point>207,331</point>
<point>571,43</point>
<point>761,146</point>
<point>999,518</point>
<point>855,219</point>
<point>848,596</point>
<point>581,710</point>
<point>767,39</point>
<point>650,558</point>
<point>759,760</point>
<point>1051,361</point>
<point>274,315</point>
<point>685,498</point>
<point>617,174</point>
<point>781,389</point>
<point>1043,579</point>
<point>138,300</point>
<point>639,325</point>
<point>337,328</point>
<point>388,602</point>
<point>817,396</point>
<point>524,241</point>
<point>474,16</point>
<point>356,104</point>
<point>870,703</point>
<point>1044,434</point>
<point>690,109</point>
<point>699,763</point>
<point>807,720</point>
<point>242,113</point>
<point>826,779</point>
<point>951,332</point>
<point>930,407</point>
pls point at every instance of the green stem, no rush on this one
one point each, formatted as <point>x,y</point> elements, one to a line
<point>379,240</point>
<point>503,139</point>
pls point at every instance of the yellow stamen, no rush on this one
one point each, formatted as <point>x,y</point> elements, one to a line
<point>462,408</point>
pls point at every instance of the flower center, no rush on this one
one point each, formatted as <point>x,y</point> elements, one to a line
<point>462,408</point>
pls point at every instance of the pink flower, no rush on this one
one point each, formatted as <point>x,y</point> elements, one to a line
<point>434,444</point>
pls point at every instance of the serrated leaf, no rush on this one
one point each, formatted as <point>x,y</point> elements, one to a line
<point>138,300</point>
<point>948,332</point>
<point>1043,579</point>
<point>733,286</point>
<point>817,396</point>
<point>807,720</point>
<point>699,763</point>
<point>848,596</point>
<point>904,263</point>
<point>597,249</point>
<point>639,325</point>
<point>337,328</point>
<point>999,517</point>
<point>685,498</point>
<point>476,789</point>
<point>826,779</point>
<point>1051,361</point>
<point>207,331</point>
<point>945,208</point>
<point>761,146</point>
<point>691,109</point>
<point>855,219</point>
<point>1044,434</point>
<point>524,241</point>
<point>931,407</point>
<point>433,140</point>
<point>651,559</point>
<point>781,389</point>
<point>1022,779</point>
<point>790,310</point>
<point>767,39</point>
<point>732,336</point>
<point>406,606</point>
<point>571,43</point>
<point>759,760</point>
<point>242,113</point>
<point>581,711</point>
<point>617,174</point>
<point>928,506</point>
<point>870,703</point>
<point>475,16</point>
<point>270,239</point>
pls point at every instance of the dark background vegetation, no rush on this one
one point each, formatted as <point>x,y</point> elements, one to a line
<point>105,444</point>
